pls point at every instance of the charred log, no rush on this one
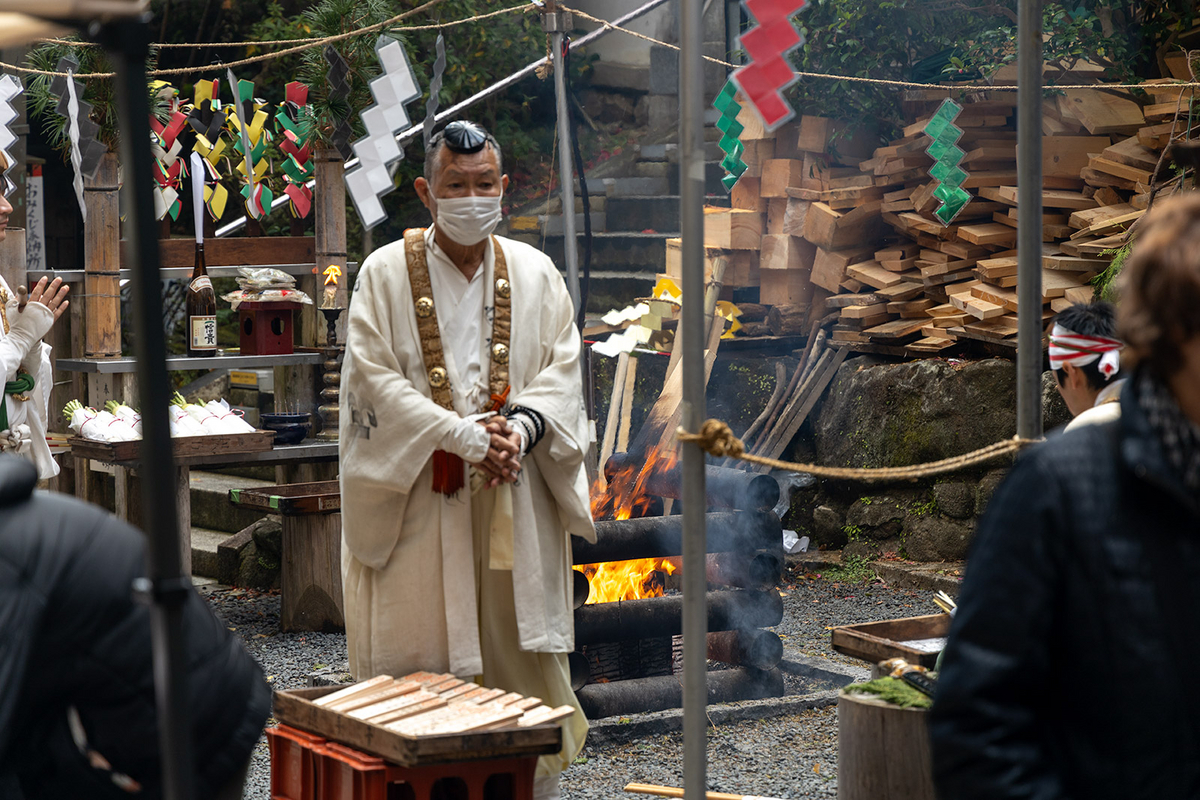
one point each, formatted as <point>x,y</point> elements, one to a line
<point>662,616</point>
<point>660,537</point>
<point>581,588</point>
<point>657,694</point>
<point>746,648</point>
<point>622,661</point>
<point>724,487</point>
<point>760,570</point>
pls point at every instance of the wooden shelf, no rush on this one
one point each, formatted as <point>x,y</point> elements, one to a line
<point>231,360</point>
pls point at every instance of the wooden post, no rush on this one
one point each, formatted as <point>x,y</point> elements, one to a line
<point>102,261</point>
<point>12,258</point>
<point>183,512</point>
<point>883,750</point>
<point>311,573</point>
<point>329,200</point>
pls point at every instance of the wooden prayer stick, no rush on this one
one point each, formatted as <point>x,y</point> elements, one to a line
<point>22,297</point>
<point>671,791</point>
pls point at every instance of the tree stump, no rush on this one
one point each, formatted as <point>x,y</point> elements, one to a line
<point>883,750</point>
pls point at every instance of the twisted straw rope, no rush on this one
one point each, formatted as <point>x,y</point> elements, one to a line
<point>880,81</point>
<point>716,439</point>
<point>269,56</point>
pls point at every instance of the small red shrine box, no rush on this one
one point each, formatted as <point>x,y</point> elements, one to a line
<point>265,327</point>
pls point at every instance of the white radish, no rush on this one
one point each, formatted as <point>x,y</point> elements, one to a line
<point>232,421</point>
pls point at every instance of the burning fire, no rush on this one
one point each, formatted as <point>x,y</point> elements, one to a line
<point>626,580</point>
<point>623,496</point>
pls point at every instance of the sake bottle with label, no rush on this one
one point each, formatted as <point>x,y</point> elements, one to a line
<point>201,304</point>
<point>201,310</point>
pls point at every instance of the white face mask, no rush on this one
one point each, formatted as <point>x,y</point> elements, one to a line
<point>468,220</point>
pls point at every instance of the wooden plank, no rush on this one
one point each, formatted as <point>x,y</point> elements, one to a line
<point>612,422</point>
<point>238,251</point>
<point>1066,155</point>
<point>1131,152</point>
<point>746,195</point>
<point>802,403</point>
<point>732,229</point>
<point>896,330</point>
<point>873,275</point>
<point>1088,217</point>
<point>183,446</point>
<point>1103,112</point>
<point>829,266</point>
<point>987,233</point>
<point>1125,171</point>
<point>780,173</point>
<point>781,251</point>
<point>1073,263</point>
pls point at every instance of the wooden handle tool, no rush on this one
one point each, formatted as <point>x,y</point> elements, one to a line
<point>22,297</point>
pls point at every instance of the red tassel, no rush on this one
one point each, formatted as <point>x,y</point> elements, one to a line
<point>448,471</point>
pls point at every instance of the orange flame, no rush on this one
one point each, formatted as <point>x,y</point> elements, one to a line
<point>626,580</point>
<point>624,496</point>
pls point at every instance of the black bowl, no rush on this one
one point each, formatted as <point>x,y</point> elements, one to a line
<point>289,428</point>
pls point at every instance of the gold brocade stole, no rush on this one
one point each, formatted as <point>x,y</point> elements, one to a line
<point>448,468</point>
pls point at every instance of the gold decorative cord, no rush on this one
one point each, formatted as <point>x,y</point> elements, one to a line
<point>716,439</point>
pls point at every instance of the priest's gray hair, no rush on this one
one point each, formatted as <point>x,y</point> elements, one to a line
<point>437,144</point>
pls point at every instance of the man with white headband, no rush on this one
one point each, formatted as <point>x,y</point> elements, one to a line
<point>1085,355</point>
<point>462,474</point>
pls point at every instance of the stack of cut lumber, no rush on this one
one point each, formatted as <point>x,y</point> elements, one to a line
<point>433,704</point>
<point>828,226</point>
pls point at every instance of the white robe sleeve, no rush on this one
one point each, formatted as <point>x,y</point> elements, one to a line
<point>556,392</point>
<point>389,428</point>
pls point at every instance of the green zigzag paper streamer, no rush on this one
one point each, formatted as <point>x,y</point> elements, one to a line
<point>945,151</point>
<point>731,129</point>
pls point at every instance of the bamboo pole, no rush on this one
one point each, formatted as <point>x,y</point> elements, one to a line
<point>102,262</point>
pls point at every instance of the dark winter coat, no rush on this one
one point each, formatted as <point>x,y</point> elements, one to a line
<point>71,634</point>
<point>1061,677</point>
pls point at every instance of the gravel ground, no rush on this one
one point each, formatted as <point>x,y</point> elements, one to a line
<point>790,756</point>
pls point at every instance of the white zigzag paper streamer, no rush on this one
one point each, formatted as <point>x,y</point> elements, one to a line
<point>10,87</point>
<point>378,150</point>
<point>73,133</point>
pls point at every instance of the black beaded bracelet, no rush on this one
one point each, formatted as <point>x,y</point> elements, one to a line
<point>539,424</point>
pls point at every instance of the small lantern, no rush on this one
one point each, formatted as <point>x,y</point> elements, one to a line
<point>265,327</point>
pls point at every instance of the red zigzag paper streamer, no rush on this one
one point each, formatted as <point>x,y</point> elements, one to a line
<point>763,80</point>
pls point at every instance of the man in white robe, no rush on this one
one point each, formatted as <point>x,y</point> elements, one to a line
<point>477,583</point>
<point>25,358</point>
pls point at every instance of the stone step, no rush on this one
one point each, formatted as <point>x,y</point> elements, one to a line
<point>643,213</point>
<point>652,169</point>
<point>211,508</point>
<point>204,551</point>
<point>552,224</point>
<point>615,255</point>
<point>713,174</point>
<point>635,187</point>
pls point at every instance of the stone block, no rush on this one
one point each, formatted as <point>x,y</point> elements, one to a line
<point>934,537</point>
<point>987,487</point>
<point>955,499</point>
<point>827,526</point>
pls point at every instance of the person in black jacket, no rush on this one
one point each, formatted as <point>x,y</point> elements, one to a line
<point>77,703</point>
<point>1070,669</point>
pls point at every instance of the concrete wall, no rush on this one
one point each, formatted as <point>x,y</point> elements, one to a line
<point>620,48</point>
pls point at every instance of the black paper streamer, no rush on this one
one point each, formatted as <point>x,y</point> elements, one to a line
<point>339,90</point>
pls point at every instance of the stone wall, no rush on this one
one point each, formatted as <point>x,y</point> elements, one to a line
<point>883,414</point>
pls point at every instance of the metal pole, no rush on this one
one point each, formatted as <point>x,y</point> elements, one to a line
<point>453,111</point>
<point>691,204</point>
<point>555,22</point>
<point>166,589</point>
<point>1029,219</point>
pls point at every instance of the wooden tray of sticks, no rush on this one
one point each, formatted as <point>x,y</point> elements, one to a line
<point>425,718</point>
<point>296,499</point>
<point>184,446</point>
<point>915,639</point>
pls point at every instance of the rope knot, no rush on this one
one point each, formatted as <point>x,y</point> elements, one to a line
<point>715,438</point>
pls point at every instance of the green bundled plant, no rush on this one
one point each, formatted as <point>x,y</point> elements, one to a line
<point>100,92</point>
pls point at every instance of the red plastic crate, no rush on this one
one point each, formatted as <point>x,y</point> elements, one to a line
<point>293,763</point>
<point>344,773</point>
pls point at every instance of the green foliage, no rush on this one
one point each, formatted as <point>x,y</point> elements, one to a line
<point>1106,281</point>
<point>853,569</point>
<point>100,93</point>
<point>939,40</point>
<point>331,18</point>
<point>894,691</point>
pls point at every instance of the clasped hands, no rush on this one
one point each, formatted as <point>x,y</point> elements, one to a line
<point>503,461</point>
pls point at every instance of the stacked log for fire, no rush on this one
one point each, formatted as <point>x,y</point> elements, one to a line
<point>822,224</point>
<point>625,658</point>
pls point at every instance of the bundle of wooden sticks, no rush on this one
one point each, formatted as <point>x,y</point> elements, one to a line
<point>432,704</point>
